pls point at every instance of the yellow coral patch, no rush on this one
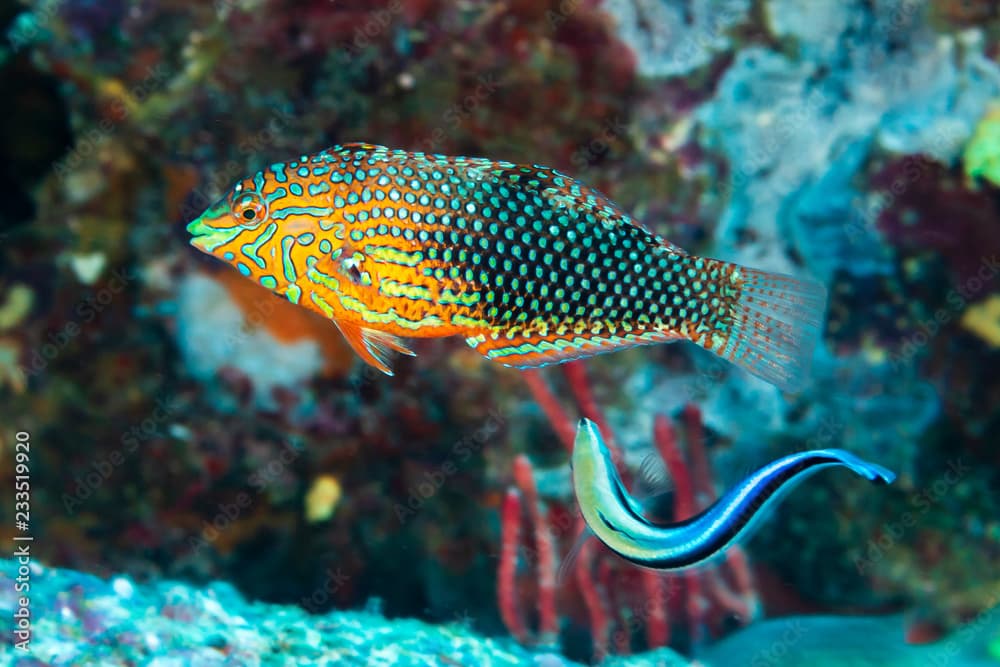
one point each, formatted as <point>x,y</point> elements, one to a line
<point>322,499</point>
<point>981,157</point>
<point>983,319</point>
<point>16,305</point>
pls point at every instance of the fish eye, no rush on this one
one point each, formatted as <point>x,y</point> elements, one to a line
<point>249,210</point>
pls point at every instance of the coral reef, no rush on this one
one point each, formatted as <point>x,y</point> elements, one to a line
<point>121,622</point>
<point>194,381</point>
<point>226,322</point>
<point>195,427</point>
<point>841,641</point>
<point>981,157</point>
<point>673,39</point>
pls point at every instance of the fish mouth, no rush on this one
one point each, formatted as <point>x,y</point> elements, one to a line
<point>207,238</point>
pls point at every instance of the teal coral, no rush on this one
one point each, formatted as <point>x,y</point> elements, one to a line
<point>844,641</point>
<point>89,621</point>
<point>216,626</point>
<point>982,154</point>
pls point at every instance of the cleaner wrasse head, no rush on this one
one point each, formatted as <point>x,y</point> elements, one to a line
<point>615,517</point>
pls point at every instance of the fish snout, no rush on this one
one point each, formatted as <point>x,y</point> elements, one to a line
<point>209,238</point>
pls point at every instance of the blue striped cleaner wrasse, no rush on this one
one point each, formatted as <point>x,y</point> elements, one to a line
<point>530,266</point>
<point>616,517</point>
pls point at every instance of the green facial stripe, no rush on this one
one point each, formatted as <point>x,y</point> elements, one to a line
<point>355,305</point>
<point>278,194</point>
<point>250,249</point>
<point>391,255</point>
<point>391,317</point>
<point>219,237</point>
<point>466,321</point>
<point>315,211</point>
<point>451,298</point>
<point>318,188</point>
<point>323,305</point>
<point>323,279</point>
<point>287,243</point>
<point>278,169</point>
<point>393,288</point>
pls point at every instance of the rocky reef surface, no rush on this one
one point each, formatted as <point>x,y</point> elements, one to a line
<point>78,619</point>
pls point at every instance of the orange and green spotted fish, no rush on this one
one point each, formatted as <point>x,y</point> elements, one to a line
<point>530,266</point>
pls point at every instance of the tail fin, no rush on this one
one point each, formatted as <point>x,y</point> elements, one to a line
<point>775,326</point>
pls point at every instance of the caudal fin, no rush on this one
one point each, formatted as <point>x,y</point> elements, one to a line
<point>775,326</point>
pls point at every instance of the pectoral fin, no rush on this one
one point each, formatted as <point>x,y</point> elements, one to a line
<point>372,345</point>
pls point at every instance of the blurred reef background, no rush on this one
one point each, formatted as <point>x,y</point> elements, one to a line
<point>188,426</point>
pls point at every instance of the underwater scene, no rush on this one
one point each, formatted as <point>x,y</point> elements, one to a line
<point>459,333</point>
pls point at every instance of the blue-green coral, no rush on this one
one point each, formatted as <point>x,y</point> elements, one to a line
<point>80,619</point>
<point>982,154</point>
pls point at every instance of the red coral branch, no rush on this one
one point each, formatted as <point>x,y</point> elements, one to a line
<point>612,592</point>
<point>740,569</point>
<point>576,374</point>
<point>701,474</point>
<point>558,419</point>
<point>507,597</point>
<point>657,625</point>
<point>600,623</point>
<point>524,477</point>
<point>665,439</point>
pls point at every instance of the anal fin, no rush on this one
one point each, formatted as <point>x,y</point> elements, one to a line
<point>535,350</point>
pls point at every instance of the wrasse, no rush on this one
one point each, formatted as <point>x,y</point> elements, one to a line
<point>530,266</point>
<point>615,517</point>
